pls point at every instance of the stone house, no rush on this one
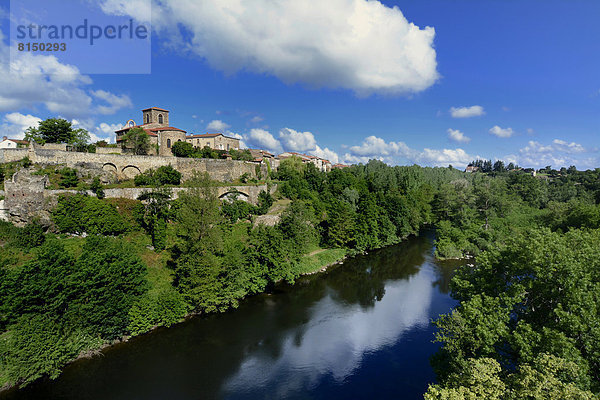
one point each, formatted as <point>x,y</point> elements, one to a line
<point>156,125</point>
<point>216,141</point>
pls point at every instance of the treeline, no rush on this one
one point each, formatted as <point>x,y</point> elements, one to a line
<point>483,210</point>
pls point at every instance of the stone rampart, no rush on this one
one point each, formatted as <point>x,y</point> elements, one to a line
<point>127,166</point>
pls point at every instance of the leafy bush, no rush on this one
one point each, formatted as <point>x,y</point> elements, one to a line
<point>96,187</point>
<point>68,178</point>
<point>80,213</point>
<point>165,175</point>
<point>164,309</point>
<point>182,149</point>
<point>35,347</point>
<point>32,235</point>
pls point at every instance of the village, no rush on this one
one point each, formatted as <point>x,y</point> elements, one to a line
<point>162,137</point>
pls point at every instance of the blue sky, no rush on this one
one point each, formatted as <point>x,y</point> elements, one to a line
<point>349,80</point>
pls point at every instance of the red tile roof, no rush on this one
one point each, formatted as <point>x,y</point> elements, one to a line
<point>165,128</point>
<point>18,141</point>
<point>136,126</point>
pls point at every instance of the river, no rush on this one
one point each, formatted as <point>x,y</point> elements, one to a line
<point>361,330</point>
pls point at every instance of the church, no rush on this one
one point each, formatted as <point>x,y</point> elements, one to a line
<point>156,125</point>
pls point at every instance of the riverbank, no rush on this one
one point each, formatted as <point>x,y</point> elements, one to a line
<point>159,277</point>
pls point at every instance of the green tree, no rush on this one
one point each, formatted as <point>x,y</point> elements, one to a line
<point>137,141</point>
<point>57,130</point>
<point>155,214</point>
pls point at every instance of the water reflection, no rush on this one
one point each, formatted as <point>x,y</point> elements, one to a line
<point>359,331</point>
<point>335,338</point>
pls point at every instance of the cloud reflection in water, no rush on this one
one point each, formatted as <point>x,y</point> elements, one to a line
<point>335,339</point>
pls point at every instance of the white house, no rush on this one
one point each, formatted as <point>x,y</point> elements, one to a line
<point>7,143</point>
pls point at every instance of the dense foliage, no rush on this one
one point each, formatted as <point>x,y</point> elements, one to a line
<point>164,175</point>
<point>83,214</point>
<point>60,304</point>
<point>185,149</point>
<point>527,323</point>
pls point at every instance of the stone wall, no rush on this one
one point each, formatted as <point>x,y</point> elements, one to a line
<point>109,150</point>
<point>26,196</point>
<point>127,166</point>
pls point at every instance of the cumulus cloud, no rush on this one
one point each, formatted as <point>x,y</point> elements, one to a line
<point>566,147</point>
<point>217,125</point>
<point>15,124</point>
<point>444,157</point>
<point>558,154</point>
<point>263,139</point>
<point>374,147</point>
<point>114,102</point>
<point>326,154</point>
<point>102,131</point>
<point>466,112</point>
<point>458,136</point>
<point>501,132</point>
<point>33,79</point>
<point>297,141</point>
<point>360,45</point>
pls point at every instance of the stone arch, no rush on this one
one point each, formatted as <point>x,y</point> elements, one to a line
<point>110,167</point>
<point>131,171</point>
<point>234,194</point>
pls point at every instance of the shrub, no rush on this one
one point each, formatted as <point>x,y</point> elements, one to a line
<point>32,235</point>
<point>96,187</point>
<point>164,309</point>
<point>182,149</point>
<point>68,178</point>
<point>80,213</point>
<point>165,175</point>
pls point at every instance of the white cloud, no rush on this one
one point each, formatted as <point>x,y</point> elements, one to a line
<point>360,45</point>
<point>115,102</point>
<point>326,154</point>
<point>33,79</point>
<point>444,157</point>
<point>566,147</point>
<point>374,147</point>
<point>263,139</point>
<point>217,125</point>
<point>501,132</point>
<point>458,136</point>
<point>297,141</point>
<point>102,131</point>
<point>256,119</point>
<point>558,154</point>
<point>466,112</point>
<point>141,10</point>
<point>15,124</point>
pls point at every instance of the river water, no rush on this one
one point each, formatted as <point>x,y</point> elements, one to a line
<point>362,330</point>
